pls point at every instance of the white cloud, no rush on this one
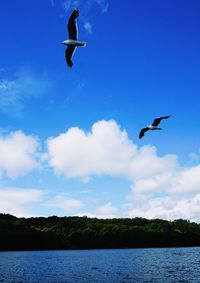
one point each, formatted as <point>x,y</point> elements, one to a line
<point>182,182</point>
<point>70,4</point>
<point>106,150</point>
<point>176,195</point>
<point>85,4</point>
<point>187,181</point>
<point>16,201</point>
<point>15,92</point>
<point>67,204</point>
<point>18,154</point>
<point>161,187</point>
<point>171,207</point>
<point>88,27</point>
<point>105,211</point>
<point>194,157</point>
<point>103,4</point>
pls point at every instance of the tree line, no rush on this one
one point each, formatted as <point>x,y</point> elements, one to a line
<point>42,233</point>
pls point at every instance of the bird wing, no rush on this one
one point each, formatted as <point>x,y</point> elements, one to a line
<point>72,25</point>
<point>142,132</point>
<point>68,55</point>
<point>157,120</point>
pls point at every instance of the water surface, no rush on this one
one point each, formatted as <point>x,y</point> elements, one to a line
<point>112,266</point>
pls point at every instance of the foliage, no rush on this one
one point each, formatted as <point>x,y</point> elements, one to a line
<point>88,233</point>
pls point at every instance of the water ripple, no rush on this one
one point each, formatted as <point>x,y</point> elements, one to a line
<point>101,266</point>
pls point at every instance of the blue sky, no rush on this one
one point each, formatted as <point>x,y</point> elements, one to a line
<point>69,138</point>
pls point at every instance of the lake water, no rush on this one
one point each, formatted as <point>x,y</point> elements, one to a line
<point>112,266</point>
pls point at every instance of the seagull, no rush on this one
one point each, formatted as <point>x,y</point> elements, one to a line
<point>154,126</point>
<point>72,42</point>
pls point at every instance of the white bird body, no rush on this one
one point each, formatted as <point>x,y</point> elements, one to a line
<point>72,42</point>
<point>151,128</point>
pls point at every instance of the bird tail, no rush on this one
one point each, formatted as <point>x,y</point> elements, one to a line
<point>83,44</point>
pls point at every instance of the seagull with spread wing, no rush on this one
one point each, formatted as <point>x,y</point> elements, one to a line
<point>152,127</point>
<point>72,42</point>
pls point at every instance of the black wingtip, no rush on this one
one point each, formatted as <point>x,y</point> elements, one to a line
<point>70,64</point>
<point>141,135</point>
<point>76,12</point>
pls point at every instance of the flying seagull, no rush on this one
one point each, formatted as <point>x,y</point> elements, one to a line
<point>152,127</point>
<point>72,42</point>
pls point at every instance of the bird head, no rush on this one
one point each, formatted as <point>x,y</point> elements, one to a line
<point>65,42</point>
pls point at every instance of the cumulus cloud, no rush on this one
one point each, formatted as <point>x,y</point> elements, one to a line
<point>170,208</point>
<point>159,181</point>
<point>187,181</point>
<point>106,150</point>
<point>105,211</point>
<point>66,204</point>
<point>195,156</point>
<point>18,154</point>
<point>15,92</point>
<point>171,196</point>
<point>16,201</point>
<point>182,182</point>
<point>159,186</point>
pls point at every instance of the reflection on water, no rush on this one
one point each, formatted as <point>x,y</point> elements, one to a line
<point>116,266</point>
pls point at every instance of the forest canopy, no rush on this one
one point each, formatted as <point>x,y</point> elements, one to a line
<point>41,233</point>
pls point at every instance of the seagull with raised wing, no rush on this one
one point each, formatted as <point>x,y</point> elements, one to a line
<point>153,127</point>
<point>72,42</point>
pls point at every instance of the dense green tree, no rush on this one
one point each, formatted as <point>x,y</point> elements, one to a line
<point>83,233</point>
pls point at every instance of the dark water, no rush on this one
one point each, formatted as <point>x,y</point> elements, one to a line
<point>113,266</point>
